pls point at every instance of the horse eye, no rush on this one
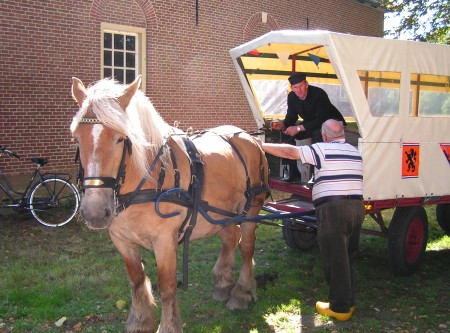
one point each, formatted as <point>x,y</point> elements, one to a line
<point>120,140</point>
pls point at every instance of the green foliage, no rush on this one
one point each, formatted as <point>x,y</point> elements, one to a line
<point>427,20</point>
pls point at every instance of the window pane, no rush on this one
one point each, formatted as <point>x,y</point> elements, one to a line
<point>118,59</point>
<point>118,42</point>
<point>121,54</point>
<point>433,103</point>
<point>107,40</point>
<point>107,72</point>
<point>130,76</point>
<point>107,58</point>
<point>118,74</point>
<point>430,95</point>
<point>131,43</point>
<point>382,90</point>
<point>131,60</point>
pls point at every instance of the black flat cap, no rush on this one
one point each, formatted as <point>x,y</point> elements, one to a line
<point>297,78</point>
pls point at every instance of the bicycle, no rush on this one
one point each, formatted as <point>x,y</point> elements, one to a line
<point>50,197</point>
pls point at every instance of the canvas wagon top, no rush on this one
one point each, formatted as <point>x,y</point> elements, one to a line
<point>397,92</point>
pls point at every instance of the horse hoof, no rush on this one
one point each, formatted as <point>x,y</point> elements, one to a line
<point>222,294</point>
<point>235,304</point>
<point>221,297</point>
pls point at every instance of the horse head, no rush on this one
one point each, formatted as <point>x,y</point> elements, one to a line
<point>99,129</point>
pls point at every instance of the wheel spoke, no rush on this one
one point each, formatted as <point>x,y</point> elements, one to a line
<point>54,202</point>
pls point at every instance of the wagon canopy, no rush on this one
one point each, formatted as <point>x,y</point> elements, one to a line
<point>396,91</point>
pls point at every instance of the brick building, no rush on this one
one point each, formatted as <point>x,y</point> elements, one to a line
<point>180,47</point>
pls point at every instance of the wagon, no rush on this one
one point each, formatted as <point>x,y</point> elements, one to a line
<point>395,97</point>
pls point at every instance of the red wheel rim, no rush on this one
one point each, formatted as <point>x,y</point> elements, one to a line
<point>414,240</point>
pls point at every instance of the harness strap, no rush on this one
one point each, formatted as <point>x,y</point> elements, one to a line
<point>80,170</point>
<point>250,193</point>
<point>103,182</point>
<point>196,187</point>
<point>98,182</point>
<point>131,196</point>
<point>175,168</point>
<point>197,171</point>
<point>162,176</point>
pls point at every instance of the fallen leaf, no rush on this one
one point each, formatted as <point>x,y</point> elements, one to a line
<point>120,304</point>
<point>60,321</point>
<point>77,327</point>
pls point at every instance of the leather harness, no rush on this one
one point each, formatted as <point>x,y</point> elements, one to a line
<point>190,198</point>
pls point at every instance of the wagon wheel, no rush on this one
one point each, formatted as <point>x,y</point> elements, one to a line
<point>298,239</point>
<point>443,217</point>
<point>408,236</point>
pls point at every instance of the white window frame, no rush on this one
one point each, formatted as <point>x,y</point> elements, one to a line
<point>140,34</point>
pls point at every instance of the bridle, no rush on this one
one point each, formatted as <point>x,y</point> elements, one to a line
<point>116,183</point>
<point>102,182</point>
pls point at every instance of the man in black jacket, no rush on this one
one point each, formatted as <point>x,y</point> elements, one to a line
<point>313,106</point>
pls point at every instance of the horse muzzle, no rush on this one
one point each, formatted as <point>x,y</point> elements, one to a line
<point>97,207</point>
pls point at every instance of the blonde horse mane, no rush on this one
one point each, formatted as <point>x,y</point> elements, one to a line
<point>140,122</point>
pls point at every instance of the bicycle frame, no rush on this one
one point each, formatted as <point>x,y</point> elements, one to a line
<point>51,198</point>
<point>17,198</point>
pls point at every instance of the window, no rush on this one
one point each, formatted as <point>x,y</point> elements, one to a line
<point>430,95</point>
<point>382,90</point>
<point>123,52</point>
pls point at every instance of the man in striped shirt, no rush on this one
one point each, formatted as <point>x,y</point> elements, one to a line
<point>338,199</point>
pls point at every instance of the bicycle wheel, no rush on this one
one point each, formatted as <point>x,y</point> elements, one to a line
<point>54,202</point>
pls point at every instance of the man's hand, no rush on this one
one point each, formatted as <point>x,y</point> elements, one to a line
<point>293,130</point>
<point>277,125</point>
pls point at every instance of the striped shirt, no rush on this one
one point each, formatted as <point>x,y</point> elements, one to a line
<point>338,168</point>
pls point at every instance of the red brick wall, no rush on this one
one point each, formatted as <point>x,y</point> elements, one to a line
<point>190,76</point>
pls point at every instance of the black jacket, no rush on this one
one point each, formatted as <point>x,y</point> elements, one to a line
<point>314,110</point>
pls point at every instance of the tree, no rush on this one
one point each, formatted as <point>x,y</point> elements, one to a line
<point>427,20</point>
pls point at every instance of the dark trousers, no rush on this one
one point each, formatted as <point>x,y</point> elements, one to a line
<point>338,230</point>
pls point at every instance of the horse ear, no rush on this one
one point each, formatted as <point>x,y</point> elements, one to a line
<point>129,92</point>
<point>78,91</point>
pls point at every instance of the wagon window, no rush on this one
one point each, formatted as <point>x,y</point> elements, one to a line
<point>382,90</point>
<point>430,95</point>
<point>123,50</point>
<point>271,95</point>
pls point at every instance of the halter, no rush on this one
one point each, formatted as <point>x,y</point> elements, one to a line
<point>102,182</point>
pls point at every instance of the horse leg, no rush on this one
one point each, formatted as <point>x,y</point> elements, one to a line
<point>245,288</point>
<point>223,275</point>
<point>142,312</point>
<point>166,259</point>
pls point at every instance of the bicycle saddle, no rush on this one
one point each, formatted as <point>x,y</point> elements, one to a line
<point>40,161</point>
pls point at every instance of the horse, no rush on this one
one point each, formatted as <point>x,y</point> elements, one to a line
<point>153,186</point>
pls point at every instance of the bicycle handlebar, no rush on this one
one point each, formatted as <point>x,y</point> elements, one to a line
<point>8,152</point>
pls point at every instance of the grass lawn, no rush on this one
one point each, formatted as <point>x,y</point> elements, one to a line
<point>47,274</point>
